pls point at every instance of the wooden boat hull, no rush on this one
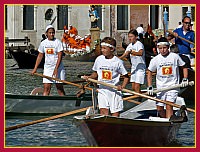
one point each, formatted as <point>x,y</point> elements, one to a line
<point>47,105</point>
<point>88,57</point>
<point>84,58</point>
<point>136,127</point>
<point>119,132</point>
<point>43,105</point>
<point>25,60</point>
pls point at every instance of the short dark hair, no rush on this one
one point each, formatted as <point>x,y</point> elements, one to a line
<point>174,48</point>
<point>162,39</point>
<point>134,32</point>
<point>109,40</point>
<point>185,18</point>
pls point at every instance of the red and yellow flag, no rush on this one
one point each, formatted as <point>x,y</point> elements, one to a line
<point>106,75</point>
<point>50,51</point>
<point>166,70</point>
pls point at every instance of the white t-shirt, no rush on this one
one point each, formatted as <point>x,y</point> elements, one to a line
<point>167,68</point>
<point>140,30</point>
<point>109,70</point>
<point>51,48</point>
<point>138,62</point>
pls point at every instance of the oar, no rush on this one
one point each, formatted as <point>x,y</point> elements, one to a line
<point>139,94</point>
<point>67,82</point>
<point>46,119</point>
<point>78,81</point>
<point>82,90</point>
<point>191,83</point>
<point>63,81</point>
<point>182,38</point>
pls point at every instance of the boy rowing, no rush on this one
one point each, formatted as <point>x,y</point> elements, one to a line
<point>166,64</point>
<point>108,68</point>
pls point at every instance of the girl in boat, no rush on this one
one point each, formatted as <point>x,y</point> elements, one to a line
<point>53,67</point>
<point>166,64</point>
<point>108,68</point>
<point>137,55</point>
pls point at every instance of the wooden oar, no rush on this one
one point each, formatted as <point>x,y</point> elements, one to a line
<point>82,90</point>
<point>63,81</point>
<point>182,38</point>
<point>78,81</point>
<point>139,94</point>
<point>74,84</point>
<point>46,119</point>
<point>191,83</point>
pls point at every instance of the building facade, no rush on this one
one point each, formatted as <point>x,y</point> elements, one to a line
<point>115,20</point>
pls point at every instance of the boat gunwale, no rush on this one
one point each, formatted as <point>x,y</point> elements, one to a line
<point>40,97</point>
<point>126,121</point>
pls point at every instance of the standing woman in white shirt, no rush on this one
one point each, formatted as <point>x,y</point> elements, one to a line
<point>53,67</point>
<point>137,55</point>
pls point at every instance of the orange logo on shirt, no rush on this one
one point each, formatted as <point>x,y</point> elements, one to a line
<point>106,75</point>
<point>166,70</point>
<point>50,51</point>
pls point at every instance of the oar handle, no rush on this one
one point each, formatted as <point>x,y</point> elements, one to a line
<point>139,94</point>
<point>191,83</point>
<point>46,119</point>
<point>182,38</point>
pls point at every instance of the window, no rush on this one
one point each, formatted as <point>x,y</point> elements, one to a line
<point>99,11</point>
<point>122,17</point>
<point>28,17</point>
<point>166,7</point>
<point>184,12</point>
<point>62,19</point>
<point>154,12</point>
<point>6,17</point>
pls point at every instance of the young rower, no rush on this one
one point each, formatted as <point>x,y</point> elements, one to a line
<point>53,67</point>
<point>108,68</point>
<point>137,55</point>
<point>166,64</point>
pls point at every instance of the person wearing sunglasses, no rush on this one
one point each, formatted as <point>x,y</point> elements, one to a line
<point>185,31</point>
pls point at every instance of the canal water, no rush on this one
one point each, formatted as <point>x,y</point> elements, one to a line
<point>60,132</point>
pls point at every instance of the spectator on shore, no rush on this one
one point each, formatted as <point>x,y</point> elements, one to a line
<point>185,32</point>
<point>140,30</point>
<point>179,25</point>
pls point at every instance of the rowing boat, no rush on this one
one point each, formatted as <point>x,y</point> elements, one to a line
<point>47,105</point>
<point>83,56</point>
<point>138,126</point>
<point>25,59</point>
<point>43,105</point>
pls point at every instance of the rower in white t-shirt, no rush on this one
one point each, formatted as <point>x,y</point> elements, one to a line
<point>108,68</point>
<point>53,66</point>
<point>166,65</point>
<point>137,55</point>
